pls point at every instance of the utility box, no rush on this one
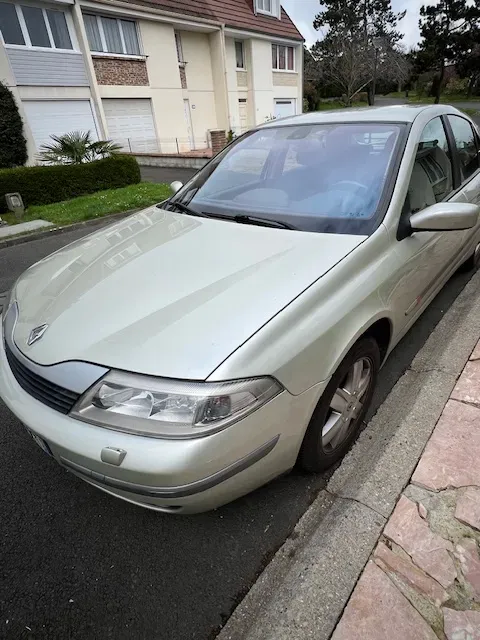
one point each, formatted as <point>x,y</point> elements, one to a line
<point>15,203</point>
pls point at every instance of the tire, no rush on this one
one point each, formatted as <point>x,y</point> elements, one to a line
<point>317,453</point>
<point>473,262</point>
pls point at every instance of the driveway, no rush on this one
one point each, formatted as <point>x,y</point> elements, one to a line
<point>77,563</point>
<point>166,174</point>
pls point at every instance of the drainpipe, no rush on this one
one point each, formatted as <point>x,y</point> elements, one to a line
<point>225,74</point>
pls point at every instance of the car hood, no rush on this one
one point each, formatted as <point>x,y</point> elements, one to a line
<point>167,294</point>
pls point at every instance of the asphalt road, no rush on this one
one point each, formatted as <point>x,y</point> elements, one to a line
<point>79,564</point>
<point>166,174</point>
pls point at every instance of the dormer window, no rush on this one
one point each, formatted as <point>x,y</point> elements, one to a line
<point>268,7</point>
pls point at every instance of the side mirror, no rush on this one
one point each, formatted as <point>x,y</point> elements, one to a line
<point>176,186</point>
<point>446,216</point>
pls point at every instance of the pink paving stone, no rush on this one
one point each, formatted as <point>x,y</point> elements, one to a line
<point>468,507</point>
<point>377,610</point>
<point>410,574</point>
<point>461,625</point>
<point>428,550</point>
<point>451,456</point>
<point>467,388</point>
<point>467,553</point>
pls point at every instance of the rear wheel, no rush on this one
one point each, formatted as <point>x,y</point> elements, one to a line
<point>342,407</point>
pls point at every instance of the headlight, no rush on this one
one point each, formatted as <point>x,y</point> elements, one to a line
<point>167,408</point>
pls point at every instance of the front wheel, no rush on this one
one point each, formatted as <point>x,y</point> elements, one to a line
<point>342,407</point>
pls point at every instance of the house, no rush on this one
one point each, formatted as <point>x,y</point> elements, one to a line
<point>157,76</point>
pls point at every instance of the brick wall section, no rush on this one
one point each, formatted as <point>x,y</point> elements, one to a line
<point>183,77</point>
<point>219,140</point>
<point>115,71</point>
<point>285,79</point>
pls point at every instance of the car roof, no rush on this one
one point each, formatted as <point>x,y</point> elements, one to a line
<point>392,113</point>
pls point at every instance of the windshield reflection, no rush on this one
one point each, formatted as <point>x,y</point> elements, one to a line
<point>323,177</point>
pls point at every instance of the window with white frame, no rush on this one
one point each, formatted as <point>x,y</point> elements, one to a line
<point>269,7</point>
<point>239,54</point>
<point>31,26</point>
<point>112,35</point>
<point>283,57</point>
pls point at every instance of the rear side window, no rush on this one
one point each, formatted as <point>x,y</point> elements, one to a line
<point>466,146</point>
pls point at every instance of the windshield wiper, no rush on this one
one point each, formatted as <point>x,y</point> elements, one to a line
<point>245,219</point>
<point>263,222</point>
<point>240,218</point>
<point>185,209</point>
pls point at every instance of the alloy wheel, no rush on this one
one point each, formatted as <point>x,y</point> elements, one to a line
<point>346,404</point>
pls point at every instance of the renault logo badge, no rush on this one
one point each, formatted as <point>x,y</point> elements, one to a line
<point>36,334</point>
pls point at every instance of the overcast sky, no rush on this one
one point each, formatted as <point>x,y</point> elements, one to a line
<point>304,11</point>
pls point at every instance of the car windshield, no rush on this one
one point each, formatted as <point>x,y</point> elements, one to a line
<point>323,177</point>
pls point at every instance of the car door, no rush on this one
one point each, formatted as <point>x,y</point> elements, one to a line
<point>425,258</point>
<point>467,149</point>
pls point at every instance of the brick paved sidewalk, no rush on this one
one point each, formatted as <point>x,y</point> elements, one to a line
<point>423,579</point>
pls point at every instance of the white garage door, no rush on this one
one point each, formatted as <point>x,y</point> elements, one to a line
<point>47,117</point>
<point>130,123</point>
<point>284,108</point>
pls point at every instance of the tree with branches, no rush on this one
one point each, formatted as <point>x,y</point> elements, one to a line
<point>448,30</point>
<point>360,42</point>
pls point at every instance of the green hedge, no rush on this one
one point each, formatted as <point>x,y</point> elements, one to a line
<point>47,184</point>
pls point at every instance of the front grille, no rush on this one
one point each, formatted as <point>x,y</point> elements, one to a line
<point>43,390</point>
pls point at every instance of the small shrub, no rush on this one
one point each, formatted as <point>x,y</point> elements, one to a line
<point>455,86</point>
<point>361,96</point>
<point>13,146</point>
<point>76,148</point>
<point>44,185</point>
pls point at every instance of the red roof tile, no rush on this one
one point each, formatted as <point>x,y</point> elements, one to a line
<point>233,13</point>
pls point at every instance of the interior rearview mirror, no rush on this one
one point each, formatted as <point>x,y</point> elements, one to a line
<point>446,216</point>
<point>176,186</point>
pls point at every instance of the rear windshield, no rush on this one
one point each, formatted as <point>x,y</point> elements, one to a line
<point>325,178</point>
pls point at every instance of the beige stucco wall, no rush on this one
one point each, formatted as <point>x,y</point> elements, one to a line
<point>219,61</point>
<point>261,79</point>
<point>200,86</point>
<point>204,64</point>
<point>260,84</point>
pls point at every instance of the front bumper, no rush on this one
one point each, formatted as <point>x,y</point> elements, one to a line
<point>185,476</point>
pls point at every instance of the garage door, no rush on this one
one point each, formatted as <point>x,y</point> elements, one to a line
<point>284,108</point>
<point>47,117</point>
<point>130,123</point>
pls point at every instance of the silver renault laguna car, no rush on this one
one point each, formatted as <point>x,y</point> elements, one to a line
<point>188,354</point>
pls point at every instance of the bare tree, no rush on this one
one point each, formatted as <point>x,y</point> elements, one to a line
<point>346,65</point>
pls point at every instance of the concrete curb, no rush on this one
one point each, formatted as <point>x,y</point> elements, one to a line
<point>303,591</point>
<point>54,231</point>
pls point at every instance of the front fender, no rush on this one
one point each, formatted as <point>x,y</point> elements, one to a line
<point>304,344</point>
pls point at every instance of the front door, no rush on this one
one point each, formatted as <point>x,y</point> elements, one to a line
<point>188,122</point>
<point>425,258</point>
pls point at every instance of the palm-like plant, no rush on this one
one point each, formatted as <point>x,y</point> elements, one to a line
<point>76,148</point>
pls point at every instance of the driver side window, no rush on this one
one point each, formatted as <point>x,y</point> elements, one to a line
<point>432,176</point>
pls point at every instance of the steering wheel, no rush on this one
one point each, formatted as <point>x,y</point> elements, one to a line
<point>357,185</point>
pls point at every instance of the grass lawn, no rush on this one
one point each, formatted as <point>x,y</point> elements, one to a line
<point>96,205</point>
<point>412,97</point>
